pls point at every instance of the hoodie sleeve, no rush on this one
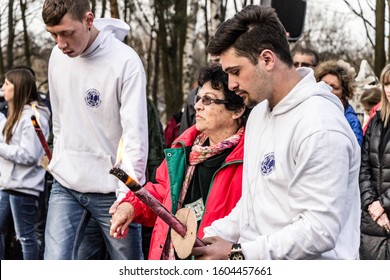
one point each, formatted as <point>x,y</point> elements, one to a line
<point>227,227</point>
<point>28,151</point>
<point>134,122</point>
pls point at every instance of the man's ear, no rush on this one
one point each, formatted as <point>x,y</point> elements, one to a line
<point>89,17</point>
<point>267,56</point>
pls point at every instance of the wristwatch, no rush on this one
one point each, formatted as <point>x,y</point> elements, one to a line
<point>236,252</point>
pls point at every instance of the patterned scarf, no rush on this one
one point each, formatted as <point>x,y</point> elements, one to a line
<point>199,154</point>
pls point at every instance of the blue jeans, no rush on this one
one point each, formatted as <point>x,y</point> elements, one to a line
<point>68,215</point>
<point>92,246</point>
<point>23,209</point>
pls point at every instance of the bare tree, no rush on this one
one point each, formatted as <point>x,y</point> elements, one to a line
<point>27,51</point>
<point>189,47</point>
<point>380,55</point>
<point>163,33</point>
<point>114,9</point>
<point>2,70</point>
<point>170,41</point>
<point>11,35</point>
<point>104,5</point>
<point>329,38</point>
<point>379,29</point>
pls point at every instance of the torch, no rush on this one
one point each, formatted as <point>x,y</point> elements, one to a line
<point>184,235</point>
<point>41,137</point>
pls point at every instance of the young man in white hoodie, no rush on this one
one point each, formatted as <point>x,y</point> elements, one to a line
<point>98,96</point>
<point>300,197</point>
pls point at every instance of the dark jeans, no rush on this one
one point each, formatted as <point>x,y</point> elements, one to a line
<point>23,209</point>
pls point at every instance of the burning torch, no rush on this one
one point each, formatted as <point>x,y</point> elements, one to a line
<point>38,130</point>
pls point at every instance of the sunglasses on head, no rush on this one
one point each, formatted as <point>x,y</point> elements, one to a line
<point>207,100</point>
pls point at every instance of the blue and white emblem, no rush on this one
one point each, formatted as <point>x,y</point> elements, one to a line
<point>92,98</point>
<point>268,164</point>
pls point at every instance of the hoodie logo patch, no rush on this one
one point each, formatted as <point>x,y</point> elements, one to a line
<point>268,164</point>
<point>92,98</point>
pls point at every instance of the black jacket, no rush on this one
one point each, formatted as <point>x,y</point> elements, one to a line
<point>375,185</point>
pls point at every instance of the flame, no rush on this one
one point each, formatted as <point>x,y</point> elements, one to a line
<point>123,160</point>
<point>119,153</point>
<point>36,112</point>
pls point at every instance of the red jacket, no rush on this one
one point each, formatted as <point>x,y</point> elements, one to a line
<point>224,193</point>
<point>372,114</point>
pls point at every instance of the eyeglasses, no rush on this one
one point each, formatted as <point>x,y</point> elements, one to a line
<point>303,64</point>
<point>207,100</point>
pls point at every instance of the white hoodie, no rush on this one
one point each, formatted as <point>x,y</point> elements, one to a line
<point>96,99</point>
<point>20,160</point>
<point>300,184</point>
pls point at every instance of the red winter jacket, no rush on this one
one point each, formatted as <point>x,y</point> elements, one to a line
<point>224,193</point>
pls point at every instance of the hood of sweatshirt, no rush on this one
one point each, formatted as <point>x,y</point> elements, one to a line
<point>107,27</point>
<point>306,88</point>
<point>119,28</point>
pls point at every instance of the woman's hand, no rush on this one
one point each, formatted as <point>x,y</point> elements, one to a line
<point>121,220</point>
<point>376,210</point>
<point>384,222</point>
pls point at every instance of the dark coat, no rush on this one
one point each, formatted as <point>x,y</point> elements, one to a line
<point>375,185</point>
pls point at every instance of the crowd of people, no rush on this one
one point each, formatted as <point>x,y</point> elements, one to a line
<point>270,156</point>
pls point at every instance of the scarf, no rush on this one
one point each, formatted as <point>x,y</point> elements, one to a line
<point>198,155</point>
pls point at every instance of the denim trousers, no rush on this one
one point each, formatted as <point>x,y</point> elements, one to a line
<point>67,218</point>
<point>22,208</point>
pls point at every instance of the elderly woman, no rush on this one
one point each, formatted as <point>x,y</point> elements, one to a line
<point>202,170</point>
<point>338,75</point>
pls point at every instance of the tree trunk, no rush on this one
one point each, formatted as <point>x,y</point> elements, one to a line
<point>206,27</point>
<point>11,35</point>
<point>215,16</point>
<point>2,70</point>
<point>171,38</point>
<point>188,75</point>
<point>27,51</point>
<point>93,6</point>
<point>114,9</point>
<point>388,38</point>
<point>380,56</point>
<point>103,13</point>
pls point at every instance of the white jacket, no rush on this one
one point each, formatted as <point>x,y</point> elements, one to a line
<point>96,99</point>
<point>20,160</point>
<point>300,184</point>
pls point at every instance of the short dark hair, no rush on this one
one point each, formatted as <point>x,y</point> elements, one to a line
<point>219,81</point>
<point>249,32</point>
<point>54,10</point>
<point>307,51</point>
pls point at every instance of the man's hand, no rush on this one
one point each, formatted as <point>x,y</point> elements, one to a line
<point>121,220</point>
<point>216,249</point>
<point>376,210</point>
